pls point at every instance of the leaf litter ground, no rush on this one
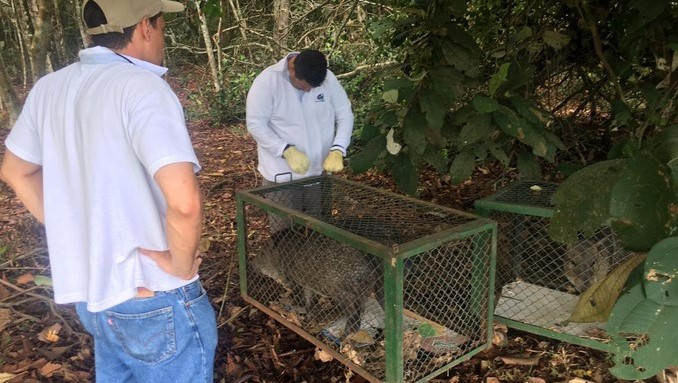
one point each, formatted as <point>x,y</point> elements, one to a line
<point>43,342</point>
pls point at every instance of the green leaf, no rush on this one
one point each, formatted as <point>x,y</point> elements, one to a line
<point>528,166</point>
<point>661,272</point>
<point>519,128</point>
<point>500,154</point>
<point>365,158</point>
<point>596,303</point>
<point>448,83</point>
<point>639,202</point>
<point>556,40</point>
<point>523,34</point>
<point>461,59</point>
<point>413,134</point>
<point>582,201</point>
<point>434,109</point>
<point>405,175</point>
<point>390,96</point>
<point>368,132</point>
<point>436,159</point>
<point>484,104</point>
<point>426,330</point>
<point>621,114</point>
<point>462,166</point>
<point>41,280</point>
<point>498,78</point>
<point>389,118</point>
<point>655,349</point>
<point>664,147</point>
<point>479,127</point>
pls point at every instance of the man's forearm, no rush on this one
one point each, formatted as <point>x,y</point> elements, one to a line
<point>25,179</point>
<point>183,236</point>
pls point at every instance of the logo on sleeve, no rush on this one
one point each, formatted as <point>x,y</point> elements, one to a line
<point>320,98</point>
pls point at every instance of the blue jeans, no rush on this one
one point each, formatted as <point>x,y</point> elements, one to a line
<point>170,337</point>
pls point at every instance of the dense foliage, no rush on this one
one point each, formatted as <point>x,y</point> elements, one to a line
<point>582,90</point>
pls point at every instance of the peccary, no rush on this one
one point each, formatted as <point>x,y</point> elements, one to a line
<point>321,265</point>
<point>588,261</point>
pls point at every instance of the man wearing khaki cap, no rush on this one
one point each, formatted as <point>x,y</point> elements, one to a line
<point>101,155</point>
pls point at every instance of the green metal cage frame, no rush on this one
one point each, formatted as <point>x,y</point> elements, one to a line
<point>539,207</point>
<point>393,261</point>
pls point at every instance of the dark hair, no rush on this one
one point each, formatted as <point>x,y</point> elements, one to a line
<point>311,66</point>
<point>94,16</point>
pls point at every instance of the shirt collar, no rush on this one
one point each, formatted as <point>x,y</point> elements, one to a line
<point>102,55</point>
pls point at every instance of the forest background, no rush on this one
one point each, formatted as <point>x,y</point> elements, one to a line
<point>580,91</point>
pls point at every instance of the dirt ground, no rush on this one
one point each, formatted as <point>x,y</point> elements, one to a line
<point>43,342</point>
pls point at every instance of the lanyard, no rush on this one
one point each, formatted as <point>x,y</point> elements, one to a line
<point>125,58</point>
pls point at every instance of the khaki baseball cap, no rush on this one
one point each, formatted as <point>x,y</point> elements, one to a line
<point>121,14</point>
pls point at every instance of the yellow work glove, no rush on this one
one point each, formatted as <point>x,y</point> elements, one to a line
<point>334,162</point>
<point>297,160</point>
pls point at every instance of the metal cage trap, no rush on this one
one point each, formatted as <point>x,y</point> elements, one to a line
<point>539,281</point>
<point>395,288</point>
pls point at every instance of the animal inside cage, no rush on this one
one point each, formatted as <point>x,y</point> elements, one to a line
<point>395,288</point>
<point>539,281</point>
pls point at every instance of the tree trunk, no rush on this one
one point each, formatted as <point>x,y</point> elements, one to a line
<point>20,20</point>
<point>8,95</point>
<point>242,26</point>
<point>42,23</point>
<point>281,13</point>
<point>208,46</point>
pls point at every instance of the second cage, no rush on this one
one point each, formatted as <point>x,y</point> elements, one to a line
<point>539,281</point>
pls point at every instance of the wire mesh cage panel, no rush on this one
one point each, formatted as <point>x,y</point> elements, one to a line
<point>538,280</point>
<point>396,288</point>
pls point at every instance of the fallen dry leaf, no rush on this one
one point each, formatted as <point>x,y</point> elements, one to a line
<point>49,369</point>
<point>579,380</point>
<point>50,334</point>
<point>535,380</point>
<point>24,279</point>
<point>520,361</point>
<point>323,355</point>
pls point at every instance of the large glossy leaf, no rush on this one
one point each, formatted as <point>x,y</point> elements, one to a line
<point>366,157</point>
<point>405,174</point>
<point>462,166</point>
<point>583,201</point>
<point>661,272</point>
<point>596,303</point>
<point>639,202</point>
<point>654,347</point>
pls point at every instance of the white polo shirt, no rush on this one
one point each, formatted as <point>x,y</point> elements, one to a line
<point>279,114</point>
<point>101,128</point>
